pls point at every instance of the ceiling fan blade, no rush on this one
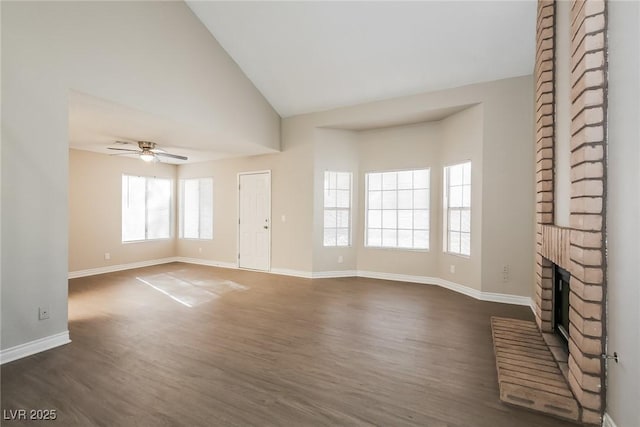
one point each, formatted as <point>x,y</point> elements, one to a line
<point>123,154</point>
<point>173,156</point>
<point>123,149</point>
<point>125,142</point>
<point>157,150</point>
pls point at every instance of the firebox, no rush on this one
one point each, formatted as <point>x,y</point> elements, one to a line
<point>561,278</point>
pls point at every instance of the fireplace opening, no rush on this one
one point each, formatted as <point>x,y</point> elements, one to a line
<point>561,279</point>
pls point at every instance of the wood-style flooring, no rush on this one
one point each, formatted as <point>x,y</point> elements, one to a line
<point>267,350</point>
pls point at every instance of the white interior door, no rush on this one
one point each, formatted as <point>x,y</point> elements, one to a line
<point>254,225</point>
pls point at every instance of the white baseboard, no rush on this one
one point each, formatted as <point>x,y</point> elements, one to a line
<point>119,267</point>
<point>32,347</point>
<point>207,262</point>
<point>294,273</point>
<point>334,274</point>
<point>607,421</point>
<point>456,287</point>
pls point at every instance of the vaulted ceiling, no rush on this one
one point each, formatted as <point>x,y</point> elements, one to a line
<point>312,56</point>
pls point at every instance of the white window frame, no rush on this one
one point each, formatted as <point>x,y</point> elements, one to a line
<point>181,206</point>
<point>413,230</point>
<point>447,209</point>
<point>146,214</point>
<point>327,189</point>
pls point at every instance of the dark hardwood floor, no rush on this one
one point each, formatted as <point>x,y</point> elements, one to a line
<point>263,350</point>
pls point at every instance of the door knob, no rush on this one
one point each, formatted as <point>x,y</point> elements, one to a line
<point>265,227</point>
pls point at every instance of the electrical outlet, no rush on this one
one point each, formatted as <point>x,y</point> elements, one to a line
<point>505,273</point>
<point>283,218</point>
<point>452,269</point>
<point>199,250</point>
<point>107,256</point>
<point>340,259</point>
<point>43,313</point>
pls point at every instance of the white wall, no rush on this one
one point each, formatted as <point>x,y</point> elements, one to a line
<point>507,177</point>
<point>399,148</point>
<point>95,211</point>
<point>153,56</point>
<point>463,140</point>
<point>623,213</point>
<point>291,184</point>
<point>335,150</point>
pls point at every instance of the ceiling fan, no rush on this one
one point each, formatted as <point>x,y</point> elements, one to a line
<point>148,151</point>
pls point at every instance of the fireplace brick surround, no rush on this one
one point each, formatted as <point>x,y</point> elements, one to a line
<point>579,249</point>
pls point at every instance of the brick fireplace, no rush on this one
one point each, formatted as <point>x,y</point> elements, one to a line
<point>580,247</point>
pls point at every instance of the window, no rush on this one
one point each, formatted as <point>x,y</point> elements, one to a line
<point>398,209</point>
<point>337,208</point>
<point>146,208</point>
<point>457,204</point>
<point>196,208</point>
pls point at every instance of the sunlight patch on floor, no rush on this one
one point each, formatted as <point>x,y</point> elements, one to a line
<point>190,293</point>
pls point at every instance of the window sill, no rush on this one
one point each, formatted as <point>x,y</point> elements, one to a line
<point>397,249</point>
<point>457,255</point>
<point>164,239</point>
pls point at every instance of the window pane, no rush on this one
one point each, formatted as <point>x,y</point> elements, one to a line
<point>133,208</point>
<point>332,180</point>
<point>158,208</point>
<point>465,221</point>
<point>326,180</point>
<point>330,198</point>
<point>455,197</point>
<point>375,200</point>
<point>343,198</point>
<point>421,239</point>
<point>421,178</point>
<point>458,194</point>
<point>389,180</point>
<point>455,175</point>
<point>466,173</point>
<point>375,219</point>
<point>190,208</point>
<point>465,243</point>
<point>421,199</point>
<point>343,181</point>
<point>454,220</point>
<point>342,218</point>
<point>206,208</point>
<point>402,192</point>
<point>421,219</point>
<point>389,200</point>
<point>405,238</point>
<point>389,238</point>
<point>329,236</point>
<point>454,241</point>
<point>466,196</point>
<point>375,181</point>
<point>329,218</point>
<point>405,219</point>
<point>405,180</point>
<point>337,203</point>
<point>405,199</point>
<point>374,237</point>
<point>389,219</point>
<point>343,237</point>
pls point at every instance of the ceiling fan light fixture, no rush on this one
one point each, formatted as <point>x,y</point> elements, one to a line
<point>147,156</point>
